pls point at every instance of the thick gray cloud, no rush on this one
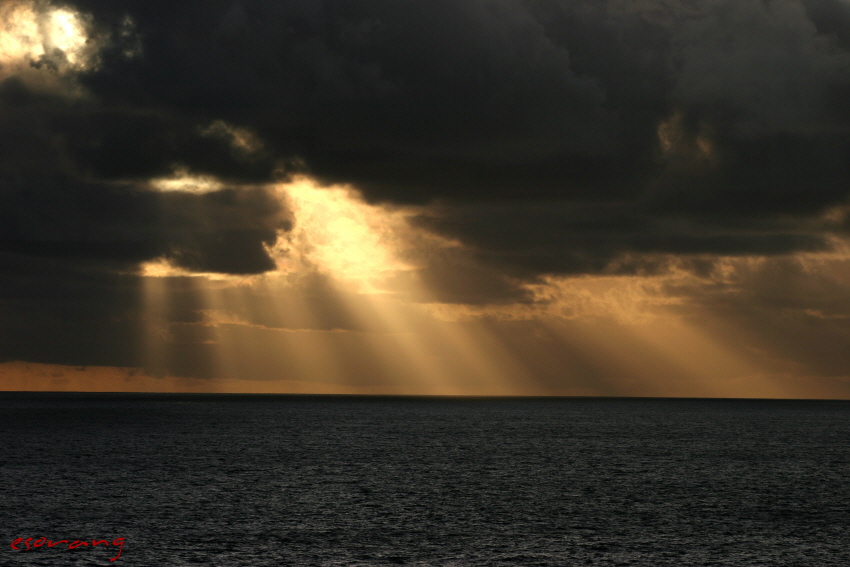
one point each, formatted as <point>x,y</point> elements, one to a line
<point>548,136</point>
<point>409,100</point>
<point>73,179</point>
<point>701,110</point>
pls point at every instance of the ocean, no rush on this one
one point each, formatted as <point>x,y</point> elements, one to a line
<point>229,480</point>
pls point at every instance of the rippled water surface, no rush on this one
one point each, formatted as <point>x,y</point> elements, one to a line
<point>254,481</point>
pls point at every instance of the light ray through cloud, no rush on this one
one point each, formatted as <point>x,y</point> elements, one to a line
<point>643,199</point>
<point>357,247</point>
<point>607,335</point>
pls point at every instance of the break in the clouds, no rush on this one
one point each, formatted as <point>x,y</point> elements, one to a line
<point>508,143</point>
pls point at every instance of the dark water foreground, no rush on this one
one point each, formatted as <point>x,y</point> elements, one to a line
<point>229,481</point>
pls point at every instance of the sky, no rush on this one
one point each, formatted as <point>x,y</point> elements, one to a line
<point>429,197</point>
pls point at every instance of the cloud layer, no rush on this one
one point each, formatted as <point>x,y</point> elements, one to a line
<point>649,115</point>
<point>544,138</point>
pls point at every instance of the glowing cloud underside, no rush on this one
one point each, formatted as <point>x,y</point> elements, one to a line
<point>342,236</point>
<point>40,45</point>
<point>182,180</point>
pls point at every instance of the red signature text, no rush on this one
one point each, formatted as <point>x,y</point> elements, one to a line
<point>32,543</point>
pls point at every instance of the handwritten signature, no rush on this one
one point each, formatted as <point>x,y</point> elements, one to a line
<point>118,542</point>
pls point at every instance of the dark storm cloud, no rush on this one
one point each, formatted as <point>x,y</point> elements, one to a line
<point>409,100</point>
<point>569,238</point>
<point>64,312</point>
<point>478,101</point>
<point>224,231</point>
<point>556,136</point>
<point>72,179</point>
<point>68,311</point>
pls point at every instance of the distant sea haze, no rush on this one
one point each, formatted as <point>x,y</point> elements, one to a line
<point>230,481</point>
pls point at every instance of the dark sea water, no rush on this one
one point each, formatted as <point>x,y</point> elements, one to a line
<point>232,481</point>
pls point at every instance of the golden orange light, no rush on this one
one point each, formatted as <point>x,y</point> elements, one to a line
<point>356,248</point>
<point>29,34</point>
<point>183,180</point>
<point>587,335</point>
<point>64,31</point>
<point>338,233</point>
<point>20,37</point>
<point>243,141</point>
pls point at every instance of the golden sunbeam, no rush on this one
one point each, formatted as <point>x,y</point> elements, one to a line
<point>361,245</point>
<point>634,332</point>
<point>246,338</point>
<point>336,315</point>
<point>649,335</point>
<point>270,325</point>
<point>156,330</point>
